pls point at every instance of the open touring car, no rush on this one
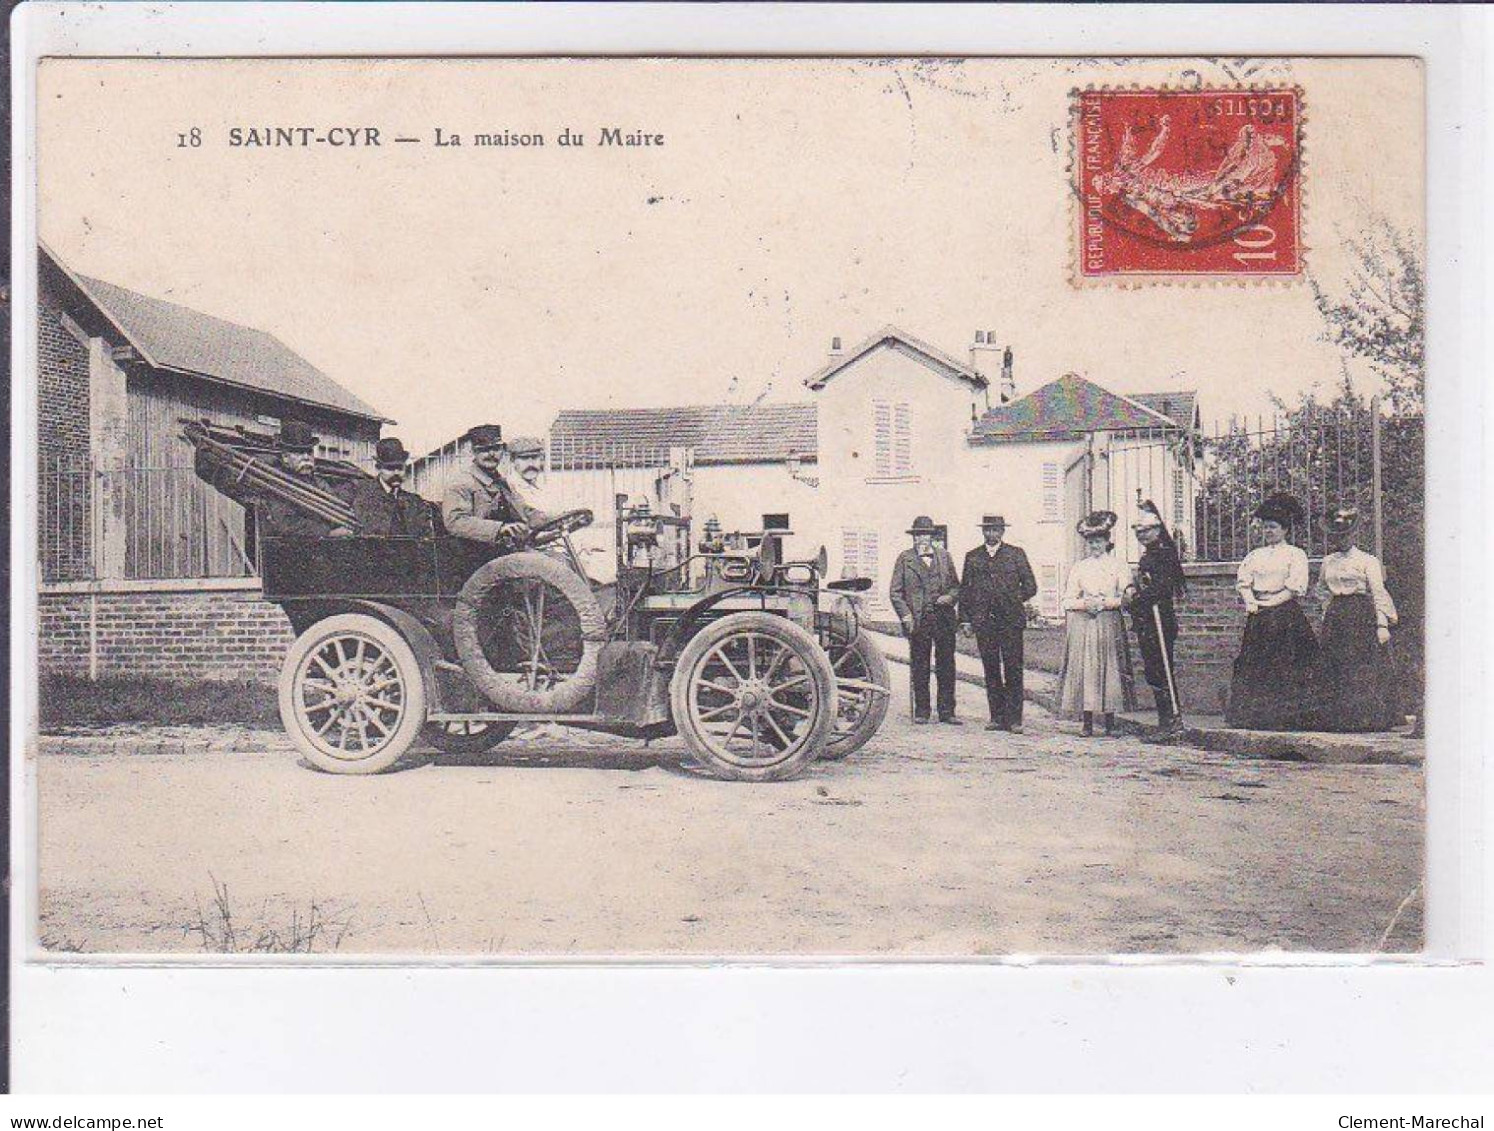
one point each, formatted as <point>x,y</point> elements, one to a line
<point>758,663</point>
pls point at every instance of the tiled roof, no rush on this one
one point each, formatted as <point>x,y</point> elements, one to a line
<point>170,336</point>
<point>1070,406</point>
<point>893,338</point>
<point>1180,407</point>
<point>719,434</point>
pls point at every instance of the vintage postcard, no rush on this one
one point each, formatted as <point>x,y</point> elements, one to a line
<point>671,508</point>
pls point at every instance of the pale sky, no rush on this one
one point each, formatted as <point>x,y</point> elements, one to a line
<point>790,202</point>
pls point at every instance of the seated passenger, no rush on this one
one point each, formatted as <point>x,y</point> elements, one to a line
<point>294,449</point>
<point>382,505</point>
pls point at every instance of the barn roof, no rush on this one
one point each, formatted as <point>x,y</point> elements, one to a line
<point>174,337</point>
<point>905,343</point>
<point>719,434</point>
<point>1067,407</point>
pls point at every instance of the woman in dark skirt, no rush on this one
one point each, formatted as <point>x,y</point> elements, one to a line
<point>1358,690</point>
<point>1275,677</point>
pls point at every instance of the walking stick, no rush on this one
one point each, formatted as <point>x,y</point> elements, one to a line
<point>1172,686</point>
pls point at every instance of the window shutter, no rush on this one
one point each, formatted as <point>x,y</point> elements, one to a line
<point>871,568</point>
<point>1179,489</point>
<point>1050,492</point>
<point>902,438</point>
<point>882,436</point>
<point>850,554</point>
<point>1048,589</point>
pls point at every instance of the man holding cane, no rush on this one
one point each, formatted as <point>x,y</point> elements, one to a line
<point>1159,579</point>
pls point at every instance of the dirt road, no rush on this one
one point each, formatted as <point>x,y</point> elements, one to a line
<point>931,841</point>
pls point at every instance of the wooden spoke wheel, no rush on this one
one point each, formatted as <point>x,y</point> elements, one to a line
<point>753,695</point>
<point>351,695</point>
<point>863,691</point>
<point>467,737</point>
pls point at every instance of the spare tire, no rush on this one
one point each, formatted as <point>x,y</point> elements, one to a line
<point>528,632</point>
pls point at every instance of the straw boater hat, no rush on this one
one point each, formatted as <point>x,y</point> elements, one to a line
<point>992,522</point>
<point>390,453</point>
<point>1096,523</point>
<point>485,437</point>
<point>297,436</point>
<point>1343,520</point>
<point>1280,508</point>
<point>1147,516</point>
<point>923,524</point>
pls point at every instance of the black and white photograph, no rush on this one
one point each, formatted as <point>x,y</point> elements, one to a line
<point>685,508</point>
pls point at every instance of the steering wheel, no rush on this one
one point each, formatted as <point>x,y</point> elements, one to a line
<point>559,526</point>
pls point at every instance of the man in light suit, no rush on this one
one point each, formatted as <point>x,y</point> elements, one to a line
<point>925,591</point>
<point>993,599</point>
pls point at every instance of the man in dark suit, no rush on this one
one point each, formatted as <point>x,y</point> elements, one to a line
<point>998,584</point>
<point>925,591</point>
<point>382,505</point>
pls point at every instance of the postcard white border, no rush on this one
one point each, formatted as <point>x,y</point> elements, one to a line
<point>1199,1024</point>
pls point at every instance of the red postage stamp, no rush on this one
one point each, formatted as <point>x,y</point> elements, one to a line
<point>1194,183</point>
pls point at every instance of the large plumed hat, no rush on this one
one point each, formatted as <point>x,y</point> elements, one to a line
<point>1280,507</point>
<point>485,437</point>
<point>297,436</point>
<point>1096,523</point>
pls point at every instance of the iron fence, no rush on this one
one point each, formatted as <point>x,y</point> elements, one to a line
<point>1324,458</point>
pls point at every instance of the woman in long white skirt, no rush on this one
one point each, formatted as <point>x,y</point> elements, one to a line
<point>1095,678</point>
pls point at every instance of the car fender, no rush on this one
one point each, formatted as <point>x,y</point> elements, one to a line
<point>424,645</point>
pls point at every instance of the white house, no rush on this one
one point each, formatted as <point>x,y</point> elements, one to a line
<point>906,429</point>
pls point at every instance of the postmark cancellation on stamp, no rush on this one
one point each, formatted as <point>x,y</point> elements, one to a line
<point>1187,183</point>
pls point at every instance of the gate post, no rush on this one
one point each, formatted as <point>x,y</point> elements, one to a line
<point>1375,476</point>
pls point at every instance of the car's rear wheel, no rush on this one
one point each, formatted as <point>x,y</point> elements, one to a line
<point>863,690</point>
<point>466,737</point>
<point>753,696</point>
<point>351,695</point>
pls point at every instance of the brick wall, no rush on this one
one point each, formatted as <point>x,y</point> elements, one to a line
<point>1211,621</point>
<point>181,634</point>
<point>62,380</point>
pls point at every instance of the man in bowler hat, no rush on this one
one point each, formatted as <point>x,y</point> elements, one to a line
<point>295,455</point>
<point>382,505</point>
<point>993,598</point>
<point>925,591</point>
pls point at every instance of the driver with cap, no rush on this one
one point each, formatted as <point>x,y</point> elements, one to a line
<point>480,504</point>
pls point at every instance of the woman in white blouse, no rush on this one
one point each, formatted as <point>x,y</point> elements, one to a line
<point>1359,691</point>
<point>1095,676</point>
<point>1276,673</point>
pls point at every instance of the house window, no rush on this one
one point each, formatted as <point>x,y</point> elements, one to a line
<point>1052,502</point>
<point>859,558</point>
<point>892,438</point>
<point>1048,589</point>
